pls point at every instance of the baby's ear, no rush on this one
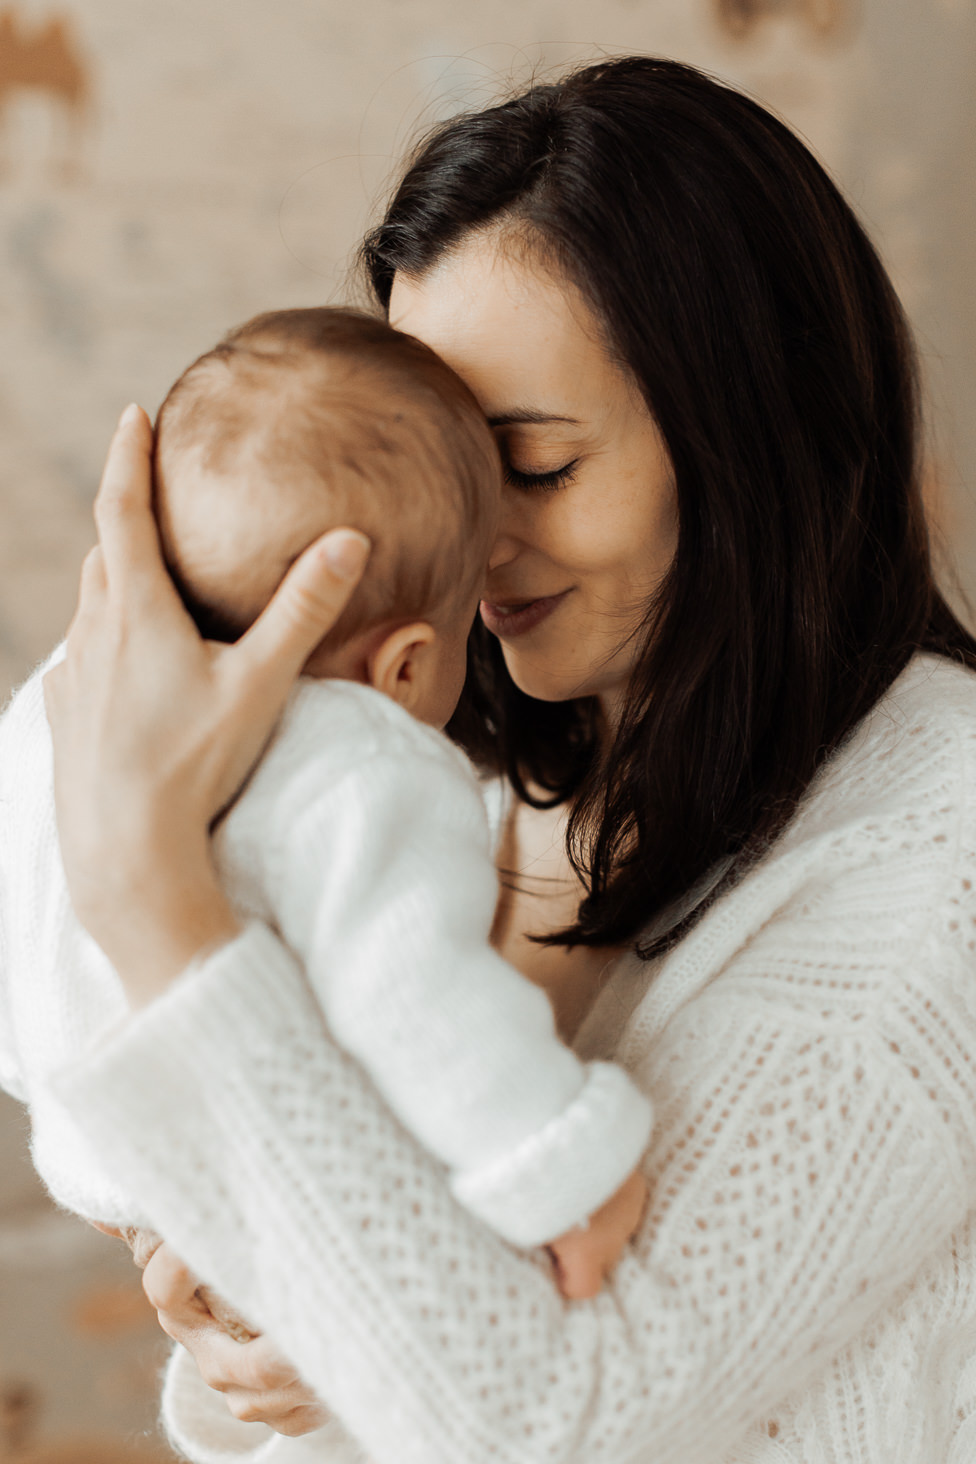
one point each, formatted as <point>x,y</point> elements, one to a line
<point>402,664</point>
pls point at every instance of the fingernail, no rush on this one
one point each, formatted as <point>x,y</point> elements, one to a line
<point>345,551</point>
<point>129,415</point>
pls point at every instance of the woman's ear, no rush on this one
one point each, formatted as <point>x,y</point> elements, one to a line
<point>402,664</point>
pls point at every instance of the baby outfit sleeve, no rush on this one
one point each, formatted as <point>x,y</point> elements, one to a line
<point>381,881</point>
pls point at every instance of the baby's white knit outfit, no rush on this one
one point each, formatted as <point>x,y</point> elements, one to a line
<point>363,839</point>
<point>803,1290</point>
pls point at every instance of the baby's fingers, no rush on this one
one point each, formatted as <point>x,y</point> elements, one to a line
<point>584,1258</point>
<point>579,1265</point>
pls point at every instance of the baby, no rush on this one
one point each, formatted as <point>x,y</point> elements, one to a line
<point>362,836</point>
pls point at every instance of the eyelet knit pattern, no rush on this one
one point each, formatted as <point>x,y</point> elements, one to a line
<point>804,1285</point>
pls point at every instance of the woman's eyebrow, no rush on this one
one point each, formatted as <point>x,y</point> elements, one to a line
<point>528,415</point>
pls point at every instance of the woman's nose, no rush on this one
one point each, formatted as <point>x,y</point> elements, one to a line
<point>504,550</point>
<point>509,539</point>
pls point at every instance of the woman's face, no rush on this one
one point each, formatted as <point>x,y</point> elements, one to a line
<point>589,519</point>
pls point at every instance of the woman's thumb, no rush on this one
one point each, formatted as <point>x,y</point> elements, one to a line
<point>308,602</point>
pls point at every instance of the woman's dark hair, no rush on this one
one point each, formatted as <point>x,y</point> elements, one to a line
<point>742,293</point>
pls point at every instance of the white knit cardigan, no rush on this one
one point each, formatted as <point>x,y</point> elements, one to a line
<point>804,1287</point>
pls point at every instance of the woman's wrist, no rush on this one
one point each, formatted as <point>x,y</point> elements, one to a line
<point>164,909</point>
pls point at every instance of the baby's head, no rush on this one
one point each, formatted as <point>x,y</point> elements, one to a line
<point>305,420</point>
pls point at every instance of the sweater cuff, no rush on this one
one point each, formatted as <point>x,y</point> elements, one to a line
<point>201,1427</point>
<point>199,1424</point>
<point>559,1176</point>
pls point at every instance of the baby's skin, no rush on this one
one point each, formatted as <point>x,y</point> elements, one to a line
<point>584,1258</point>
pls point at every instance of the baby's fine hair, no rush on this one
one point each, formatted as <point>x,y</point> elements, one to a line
<point>369,417</point>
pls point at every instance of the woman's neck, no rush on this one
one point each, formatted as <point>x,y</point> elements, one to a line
<point>611,704</point>
<point>540,893</point>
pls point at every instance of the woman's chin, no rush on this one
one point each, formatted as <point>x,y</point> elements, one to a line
<point>540,681</point>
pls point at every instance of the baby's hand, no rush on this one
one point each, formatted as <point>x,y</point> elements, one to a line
<point>585,1257</point>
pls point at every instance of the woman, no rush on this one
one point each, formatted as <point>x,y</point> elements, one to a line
<point>712,640</point>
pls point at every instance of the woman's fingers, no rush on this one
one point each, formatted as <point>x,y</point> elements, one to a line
<point>258,1384</point>
<point>294,1422</point>
<point>255,1368</point>
<point>123,508</point>
<point>171,1286</point>
<point>307,604</point>
<point>155,730</point>
<point>277,1411</point>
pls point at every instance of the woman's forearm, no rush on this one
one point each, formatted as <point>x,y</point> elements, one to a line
<point>295,1193</point>
<point>167,913</point>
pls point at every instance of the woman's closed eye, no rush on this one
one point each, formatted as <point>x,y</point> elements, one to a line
<point>541,482</point>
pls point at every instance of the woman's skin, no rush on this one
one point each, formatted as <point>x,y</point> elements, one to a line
<point>589,527</point>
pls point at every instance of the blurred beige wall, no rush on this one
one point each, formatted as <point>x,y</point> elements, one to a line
<point>167,170</point>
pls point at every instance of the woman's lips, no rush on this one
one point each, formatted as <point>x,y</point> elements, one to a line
<point>518,616</point>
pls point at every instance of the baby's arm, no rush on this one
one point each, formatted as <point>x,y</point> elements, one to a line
<point>381,880</point>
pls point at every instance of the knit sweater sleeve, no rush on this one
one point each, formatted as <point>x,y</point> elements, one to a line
<point>9,1064</point>
<point>369,837</point>
<point>23,739</point>
<point>814,1142</point>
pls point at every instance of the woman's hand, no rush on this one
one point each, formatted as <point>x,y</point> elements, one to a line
<point>259,1386</point>
<point>156,729</point>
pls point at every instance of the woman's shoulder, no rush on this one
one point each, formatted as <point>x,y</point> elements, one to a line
<point>913,755</point>
<point>872,884</point>
<point>933,693</point>
<point>884,844</point>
